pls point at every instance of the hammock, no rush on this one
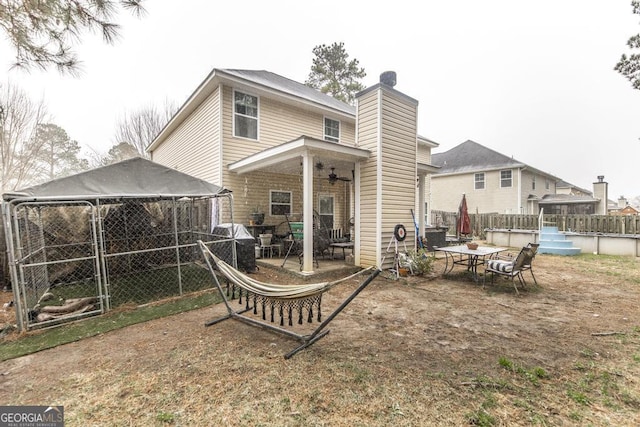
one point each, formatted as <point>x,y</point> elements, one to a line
<point>282,299</point>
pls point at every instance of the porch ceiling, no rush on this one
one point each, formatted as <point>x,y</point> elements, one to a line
<point>286,158</point>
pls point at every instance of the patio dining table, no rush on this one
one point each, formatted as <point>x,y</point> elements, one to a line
<point>470,258</point>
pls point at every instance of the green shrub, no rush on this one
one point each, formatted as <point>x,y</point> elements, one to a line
<point>421,261</point>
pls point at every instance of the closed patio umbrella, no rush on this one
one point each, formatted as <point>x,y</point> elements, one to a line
<point>463,223</point>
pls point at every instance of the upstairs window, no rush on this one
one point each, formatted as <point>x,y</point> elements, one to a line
<point>331,130</point>
<point>479,181</point>
<point>245,115</point>
<point>533,183</point>
<point>505,179</point>
<point>546,184</point>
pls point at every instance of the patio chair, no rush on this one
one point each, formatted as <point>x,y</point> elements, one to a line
<point>528,266</point>
<point>296,244</point>
<point>512,268</point>
<point>293,244</point>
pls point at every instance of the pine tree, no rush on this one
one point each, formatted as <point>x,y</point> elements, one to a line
<point>333,73</point>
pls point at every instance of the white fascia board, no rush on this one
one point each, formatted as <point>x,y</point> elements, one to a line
<point>424,168</point>
<point>295,148</point>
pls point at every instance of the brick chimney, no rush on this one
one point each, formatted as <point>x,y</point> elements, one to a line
<point>622,202</point>
<point>601,192</point>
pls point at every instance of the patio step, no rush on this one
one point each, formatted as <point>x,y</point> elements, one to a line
<point>554,242</point>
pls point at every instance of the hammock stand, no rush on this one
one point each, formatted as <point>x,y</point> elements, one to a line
<point>283,299</point>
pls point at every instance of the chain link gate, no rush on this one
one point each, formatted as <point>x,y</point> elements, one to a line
<point>57,263</point>
<point>76,259</point>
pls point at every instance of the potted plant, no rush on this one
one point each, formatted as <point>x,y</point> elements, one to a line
<point>256,217</point>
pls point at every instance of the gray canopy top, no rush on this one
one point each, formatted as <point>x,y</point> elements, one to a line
<point>135,178</point>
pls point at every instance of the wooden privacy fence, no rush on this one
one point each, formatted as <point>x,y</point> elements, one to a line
<point>606,224</point>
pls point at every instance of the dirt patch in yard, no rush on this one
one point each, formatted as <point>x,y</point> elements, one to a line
<point>416,351</point>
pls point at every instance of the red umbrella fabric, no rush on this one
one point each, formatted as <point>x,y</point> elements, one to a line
<point>463,225</point>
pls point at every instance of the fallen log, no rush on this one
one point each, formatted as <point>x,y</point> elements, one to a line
<point>43,317</point>
<point>69,306</point>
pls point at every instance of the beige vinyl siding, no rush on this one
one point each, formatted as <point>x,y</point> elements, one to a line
<point>368,138</point>
<point>277,123</point>
<point>540,190</point>
<point>446,193</point>
<point>387,125</point>
<point>424,155</point>
<point>398,168</point>
<point>194,147</point>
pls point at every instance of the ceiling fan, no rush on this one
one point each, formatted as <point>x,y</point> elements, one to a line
<point>333,177</point>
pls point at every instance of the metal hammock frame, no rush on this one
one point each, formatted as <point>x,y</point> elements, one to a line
<point>284,300</point>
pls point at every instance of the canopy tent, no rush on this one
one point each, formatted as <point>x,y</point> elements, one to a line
<point>92,233</point>
<point>134,178</point>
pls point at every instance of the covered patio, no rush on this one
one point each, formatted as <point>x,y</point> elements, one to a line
<point>302,157</point>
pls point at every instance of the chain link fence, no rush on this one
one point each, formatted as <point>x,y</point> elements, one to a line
<point>76,259</point>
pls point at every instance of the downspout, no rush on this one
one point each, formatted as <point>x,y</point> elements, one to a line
<point>520,190</point>
<point>356,215</point>
<point>379,183</point>
<point>421,211</point>
<point>220,132</point>
<point>356,195</point>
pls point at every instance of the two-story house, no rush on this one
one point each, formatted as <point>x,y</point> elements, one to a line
<point>287,148</point>
<point>491,181</point>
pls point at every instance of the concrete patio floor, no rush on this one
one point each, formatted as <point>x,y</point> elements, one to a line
<point>326,266</point>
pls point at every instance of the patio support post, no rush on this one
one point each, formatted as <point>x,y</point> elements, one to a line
<point>307,211</point>
<point>421,212</point>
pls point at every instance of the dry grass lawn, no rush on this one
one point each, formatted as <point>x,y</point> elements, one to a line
<point>417,351</point>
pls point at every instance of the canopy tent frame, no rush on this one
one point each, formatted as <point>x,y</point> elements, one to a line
<point>35,255</point>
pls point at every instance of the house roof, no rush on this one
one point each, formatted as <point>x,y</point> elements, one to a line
<point>565,184</point>
<point>132,178</point>
<point>285,85</point>
<point>258,82</point>
<point>261,82</point>
<point>554,199</point>
<point>471,157</point>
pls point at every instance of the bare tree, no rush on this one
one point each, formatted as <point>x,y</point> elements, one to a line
<point>140,127</point>
<point>19,150</point>
<point>43,32</point>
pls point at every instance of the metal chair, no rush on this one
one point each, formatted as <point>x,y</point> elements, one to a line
<point>512,268</point>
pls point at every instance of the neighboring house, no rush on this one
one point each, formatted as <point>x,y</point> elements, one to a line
<point>569,204</point>
<point>491,181</point>
<point>277,143</point>
<point>563,187</point>
<point>623,207</point>
<point>627,210</point>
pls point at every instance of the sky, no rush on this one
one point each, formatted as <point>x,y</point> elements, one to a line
<point>532,80</point>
